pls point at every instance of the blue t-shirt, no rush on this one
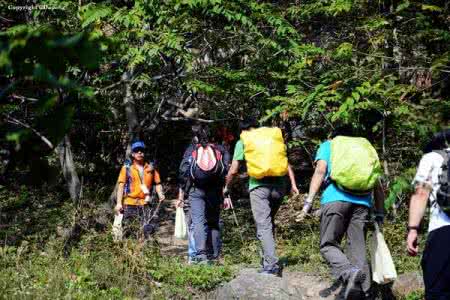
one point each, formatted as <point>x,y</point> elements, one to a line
<point>332,193</point>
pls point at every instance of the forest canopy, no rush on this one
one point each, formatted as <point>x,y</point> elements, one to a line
<point>80,80</point>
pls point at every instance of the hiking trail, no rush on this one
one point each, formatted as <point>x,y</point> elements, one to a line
<point>248,283</point>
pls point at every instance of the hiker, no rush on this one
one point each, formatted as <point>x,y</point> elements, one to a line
<point>133,194</point>
<point>264,152</point>
<point>349,170</point>
<point>202,176</point>
<point>432,183</point>
<point>183,199</point>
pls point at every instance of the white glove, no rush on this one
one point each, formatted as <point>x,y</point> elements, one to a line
<point>307,205</point>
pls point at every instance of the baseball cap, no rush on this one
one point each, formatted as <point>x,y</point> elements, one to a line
<point>137,145</point>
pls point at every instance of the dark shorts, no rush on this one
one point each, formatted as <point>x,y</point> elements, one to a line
<point>436,264</point>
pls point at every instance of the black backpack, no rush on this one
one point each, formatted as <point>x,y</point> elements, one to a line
<point>443,193</point>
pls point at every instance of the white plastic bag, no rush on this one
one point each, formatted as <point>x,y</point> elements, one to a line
<point>180,224</point>
<point>383,268</point>
<point>117,227</point>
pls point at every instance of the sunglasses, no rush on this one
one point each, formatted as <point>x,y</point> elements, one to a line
<point>138,150</point>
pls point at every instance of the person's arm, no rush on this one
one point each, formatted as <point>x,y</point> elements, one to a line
<point>159,191</point>
<point>417,207</point>
<point>119,197</point>
<point>158,186</point>
<point>316,181</point>
<point>379,198</point>
<point>180,199</point>
<point>233,171</point>
<point>291,174</point>
<point>120,189</point>
<point>379,203</point>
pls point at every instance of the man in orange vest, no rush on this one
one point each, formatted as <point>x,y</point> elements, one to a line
<point>133,194</point>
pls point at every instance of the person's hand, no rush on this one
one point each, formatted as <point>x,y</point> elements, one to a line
<point>294,190</point>
<point>227,204</point>
<point>161,197</point>
<point>226,192</point>
<point>307,205</point>
<point>118,209</point>
<point>179,203</point>
<point>306,208</point>
<point>379,218</point>
<point>411,243</point>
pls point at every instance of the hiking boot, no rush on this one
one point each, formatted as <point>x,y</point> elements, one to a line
<point>353,289</point>
<point>275,271</point>
<point>198,261</point>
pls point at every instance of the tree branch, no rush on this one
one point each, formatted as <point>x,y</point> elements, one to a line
<point>12,120</point>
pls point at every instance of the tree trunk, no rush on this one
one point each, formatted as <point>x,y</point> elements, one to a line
<point>134,128</point>
<point>64,150</point>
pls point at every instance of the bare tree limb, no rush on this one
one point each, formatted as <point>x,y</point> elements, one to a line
<point>23,98</point>
<point>196,119</point>
<point>12,120</point>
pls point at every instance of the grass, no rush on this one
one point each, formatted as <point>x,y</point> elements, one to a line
<point>37,262</point>
<point>100,269</point>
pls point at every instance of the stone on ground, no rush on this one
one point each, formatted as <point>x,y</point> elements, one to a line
<point>249,284</point>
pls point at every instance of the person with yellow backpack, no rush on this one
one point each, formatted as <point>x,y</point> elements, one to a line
<point>349,169</point>
<point>264,152</point>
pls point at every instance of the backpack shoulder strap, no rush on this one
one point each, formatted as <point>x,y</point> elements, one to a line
<point>127,166</point>
<point>445,155</point>
<point>195,151</point>
<point>442,153</point>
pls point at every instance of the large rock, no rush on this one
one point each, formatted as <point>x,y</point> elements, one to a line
<point>249,284</point>
<point>408,283</point>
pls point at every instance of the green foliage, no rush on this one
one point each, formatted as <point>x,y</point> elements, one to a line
<point>418,295</point>
<point>400,189</point>
<point>94,267</point>
<point>26,63</point>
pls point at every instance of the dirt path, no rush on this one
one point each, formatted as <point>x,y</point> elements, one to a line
<point>164,235</point>
<point>248,284</point>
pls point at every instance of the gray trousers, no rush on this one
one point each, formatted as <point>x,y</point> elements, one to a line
<point>204,215</point>
<point>337,219</point>
<point>265,202</point>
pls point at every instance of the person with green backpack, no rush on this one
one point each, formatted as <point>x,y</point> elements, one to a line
<point>349,169</point>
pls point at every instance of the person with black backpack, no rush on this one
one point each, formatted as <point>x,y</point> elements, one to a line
<point>202,177</point>
<point>432,184</point>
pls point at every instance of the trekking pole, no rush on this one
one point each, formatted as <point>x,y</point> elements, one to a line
<point>236,221</point>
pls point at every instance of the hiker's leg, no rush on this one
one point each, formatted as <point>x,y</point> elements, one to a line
<point>436,264</point>
<point>356,242</point>
<point>276,197</point>
<point>130,215</point>
<point>213,201</point>
<point>259,199</point>
<point>199,228</point>
<point>333,225</point>
<point>191,242</point>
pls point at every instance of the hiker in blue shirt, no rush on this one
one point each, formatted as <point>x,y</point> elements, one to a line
<point>343,212</point>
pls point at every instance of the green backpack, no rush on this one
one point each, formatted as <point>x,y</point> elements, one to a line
<point>355,167</point>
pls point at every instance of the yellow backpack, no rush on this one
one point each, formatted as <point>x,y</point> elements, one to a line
<point>265,152</point>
